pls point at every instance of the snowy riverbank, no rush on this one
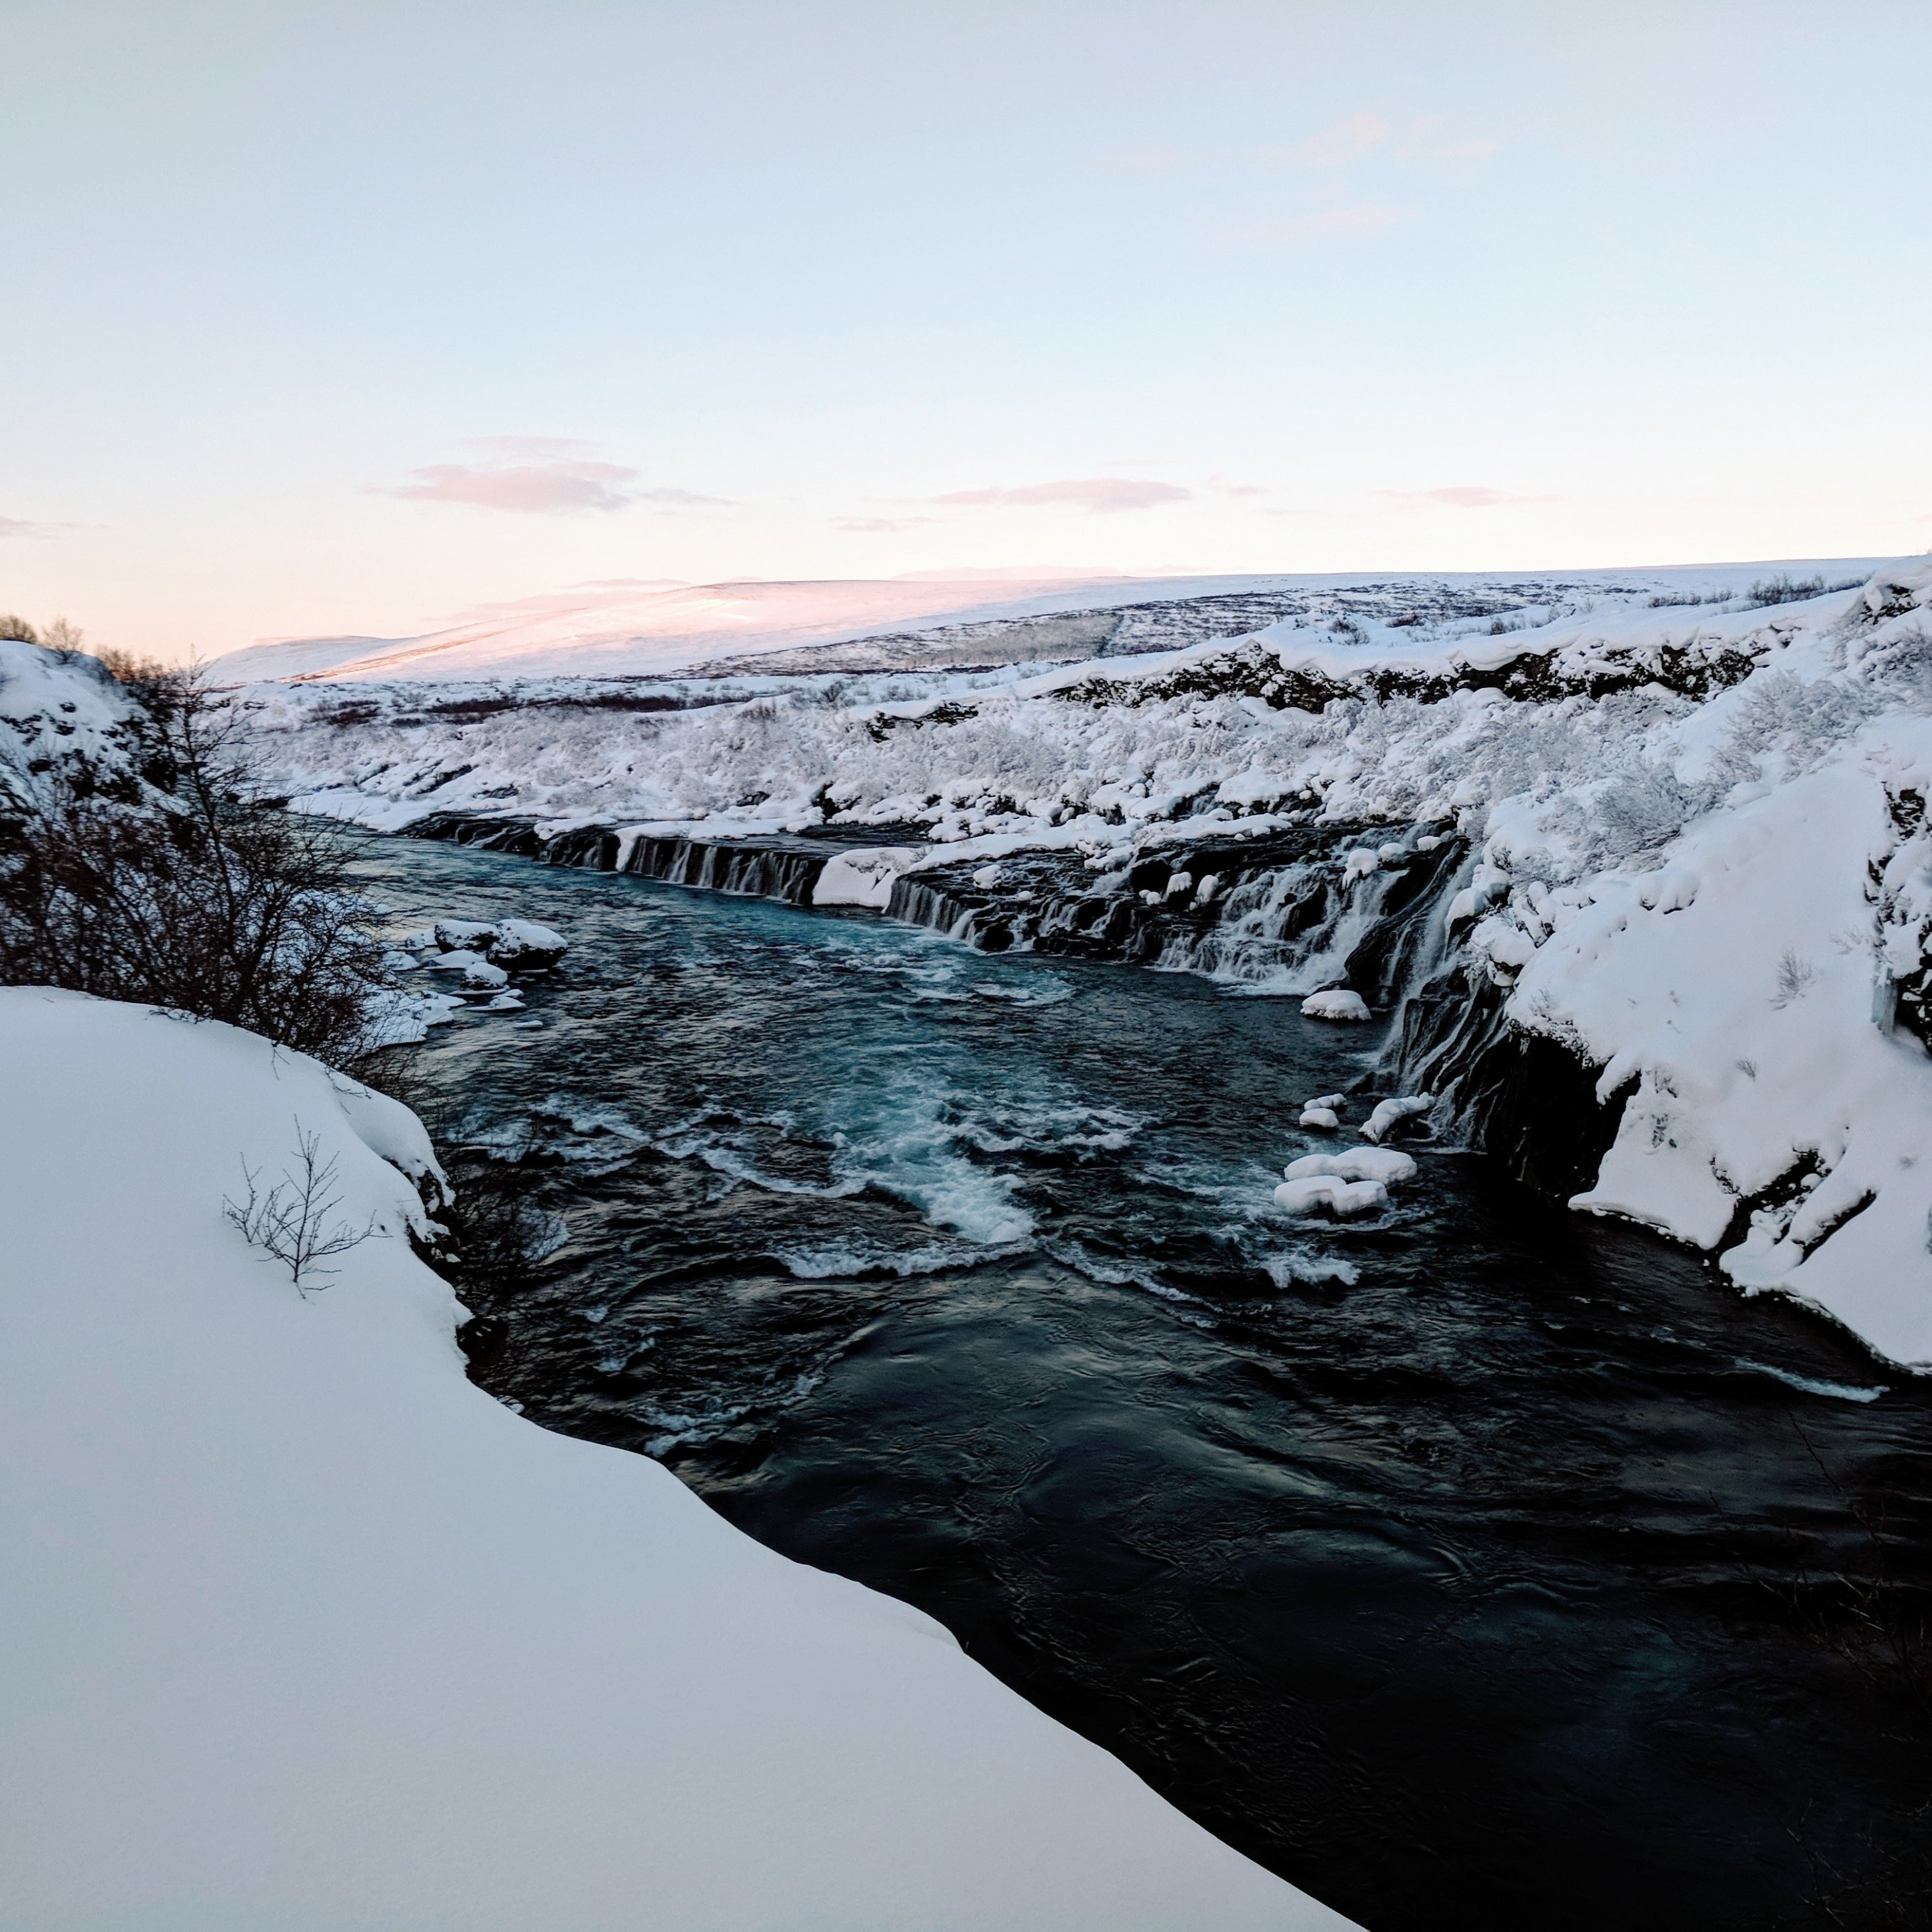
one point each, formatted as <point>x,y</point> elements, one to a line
<point>1694,814</point>
<point>309,1631</point>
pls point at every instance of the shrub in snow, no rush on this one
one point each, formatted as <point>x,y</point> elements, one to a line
<point>295,1221</point>
<point>176,885</point>
<point>1337,1003</point>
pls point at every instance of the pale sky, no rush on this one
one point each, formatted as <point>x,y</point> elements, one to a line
<point>330,318</point>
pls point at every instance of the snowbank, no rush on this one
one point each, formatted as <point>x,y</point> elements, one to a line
<point>863,876</point>
<point>1696,802</point>
<point>305,1630</point>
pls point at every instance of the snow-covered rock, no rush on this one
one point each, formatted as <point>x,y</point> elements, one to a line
<point>306,1630</point>
<point>1389,1114</point>
<point>1386,1165</point>
<point>518,942</point>
<point>1337,1002</point>
<point>1330,1193</point>
<point>523,944</point>
<point>863,876</point>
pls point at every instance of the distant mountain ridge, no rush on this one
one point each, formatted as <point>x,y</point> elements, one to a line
<point>631,630</point>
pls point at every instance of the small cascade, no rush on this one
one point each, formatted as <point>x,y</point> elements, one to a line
<point>1290,912</point>
<point>759,871</point>
<point>1524,1098</point>
<point>773,865</point>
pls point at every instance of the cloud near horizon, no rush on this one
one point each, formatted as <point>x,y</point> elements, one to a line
<point>1101,495</point>
<point>534,475</point>
<point>23,526</point>
<point>1459,497</point>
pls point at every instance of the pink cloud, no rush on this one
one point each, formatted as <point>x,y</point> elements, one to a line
<point>1459,497</point>
<point>19,526</point>
<point>534,475</point>
<point>1359,135</point>
<point>1102,494</point>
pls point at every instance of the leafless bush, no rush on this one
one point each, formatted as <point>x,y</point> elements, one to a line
<point>1644,809</point>
<point>154,682</point>
<point>1669,600</point>
<point>1794,978</point>
<point>195,895</point>
<point>1786,588</point>
<point>296,1220</point>
<point>16,629</point>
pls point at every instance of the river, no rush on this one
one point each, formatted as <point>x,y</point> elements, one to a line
<point>1458,1563</point>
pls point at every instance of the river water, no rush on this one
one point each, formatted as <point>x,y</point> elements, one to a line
<point>1445,1562</point>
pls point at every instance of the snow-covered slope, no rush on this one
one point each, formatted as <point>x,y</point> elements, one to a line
<point>622,630</point>
<point>305,1631</point>
<point>1698,858</point>
<point>59,709</point>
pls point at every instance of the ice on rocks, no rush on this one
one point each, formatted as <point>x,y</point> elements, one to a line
<point>864,876</point>
<point>1330,1193</point>
<point>1324,1120</point>
<point>523,943</point>
<point>1389,1114</point>
<point>1387,1164</point>
<point>1337,1002</point>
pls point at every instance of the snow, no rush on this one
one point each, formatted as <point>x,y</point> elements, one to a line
<point>1329,1192</point>
<point>306,1630</point>
<point>610,631</point>
<point>1670,783</point>
<point>1389,1114</point>
<point>863,876</point>
<point>1386,1165</point>
<point>1324,1119</point>
<point>1338,1003</point>
<point>508,942</point>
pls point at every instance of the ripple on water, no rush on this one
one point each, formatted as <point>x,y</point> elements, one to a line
<point>1446,1555</point>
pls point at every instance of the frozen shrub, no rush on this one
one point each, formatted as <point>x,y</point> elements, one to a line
<point>1786,588</point>
<point>1645,809</point>
<point>294,1221</point>
<point>193,895</point>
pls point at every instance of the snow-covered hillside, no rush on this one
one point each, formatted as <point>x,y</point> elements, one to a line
<point>1693,821</point>
<point>304,1629</point>
<point>624,630</point>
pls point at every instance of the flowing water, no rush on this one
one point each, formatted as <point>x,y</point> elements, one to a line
<point>1445,1561</point>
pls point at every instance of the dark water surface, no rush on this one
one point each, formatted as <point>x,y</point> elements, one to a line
<point>1444,1562</point>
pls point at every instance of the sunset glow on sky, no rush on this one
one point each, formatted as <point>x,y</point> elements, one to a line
<point>353,318</point>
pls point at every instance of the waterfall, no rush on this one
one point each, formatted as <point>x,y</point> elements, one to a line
<point>748,871</point>
<point>780,867</point>
<point>1288,912</point>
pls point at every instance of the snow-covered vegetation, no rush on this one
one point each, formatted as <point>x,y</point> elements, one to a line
<point>1695,815</point>
<point>305,1630</point>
